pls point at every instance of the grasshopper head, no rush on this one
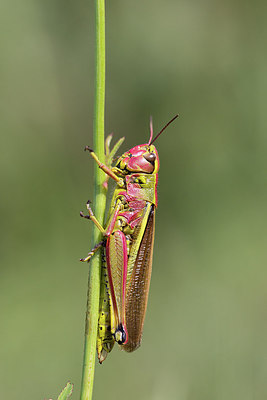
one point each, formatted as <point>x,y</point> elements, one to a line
<point>142,158</point>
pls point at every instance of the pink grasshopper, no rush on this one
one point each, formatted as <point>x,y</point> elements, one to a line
<point>128,242</point>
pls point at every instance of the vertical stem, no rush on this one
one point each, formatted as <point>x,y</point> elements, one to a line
<point>99,208</point>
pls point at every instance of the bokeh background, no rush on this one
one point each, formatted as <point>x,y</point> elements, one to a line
<point>206,325</point>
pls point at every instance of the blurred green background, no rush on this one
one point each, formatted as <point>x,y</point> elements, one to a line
<point>206,325</point>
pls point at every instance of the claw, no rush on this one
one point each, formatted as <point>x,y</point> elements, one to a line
<point>89,149</point>
<point>86,259</point>
<point>84,216</point>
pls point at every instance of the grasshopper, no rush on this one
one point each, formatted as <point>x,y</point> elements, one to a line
<point>127,245</point>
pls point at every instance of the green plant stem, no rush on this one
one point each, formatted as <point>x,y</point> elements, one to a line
<point>99,208</point>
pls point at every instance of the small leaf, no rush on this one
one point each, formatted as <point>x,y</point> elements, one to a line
<point>107,143</point>
<point>66,392</point>
<point>115,148</point>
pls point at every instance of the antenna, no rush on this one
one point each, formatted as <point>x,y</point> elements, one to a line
<point>163,129</point>
<point>151,130</point>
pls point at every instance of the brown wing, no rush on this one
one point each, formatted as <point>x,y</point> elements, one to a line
<point>137,291</point>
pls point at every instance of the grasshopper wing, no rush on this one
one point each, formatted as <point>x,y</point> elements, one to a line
<point>138,286</point>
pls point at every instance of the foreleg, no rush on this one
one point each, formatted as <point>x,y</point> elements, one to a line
<point>105,168</point>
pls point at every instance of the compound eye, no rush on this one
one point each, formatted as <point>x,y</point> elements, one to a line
<point>150,157</point>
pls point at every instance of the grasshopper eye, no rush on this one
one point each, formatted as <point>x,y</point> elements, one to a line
<point>150,157</point>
